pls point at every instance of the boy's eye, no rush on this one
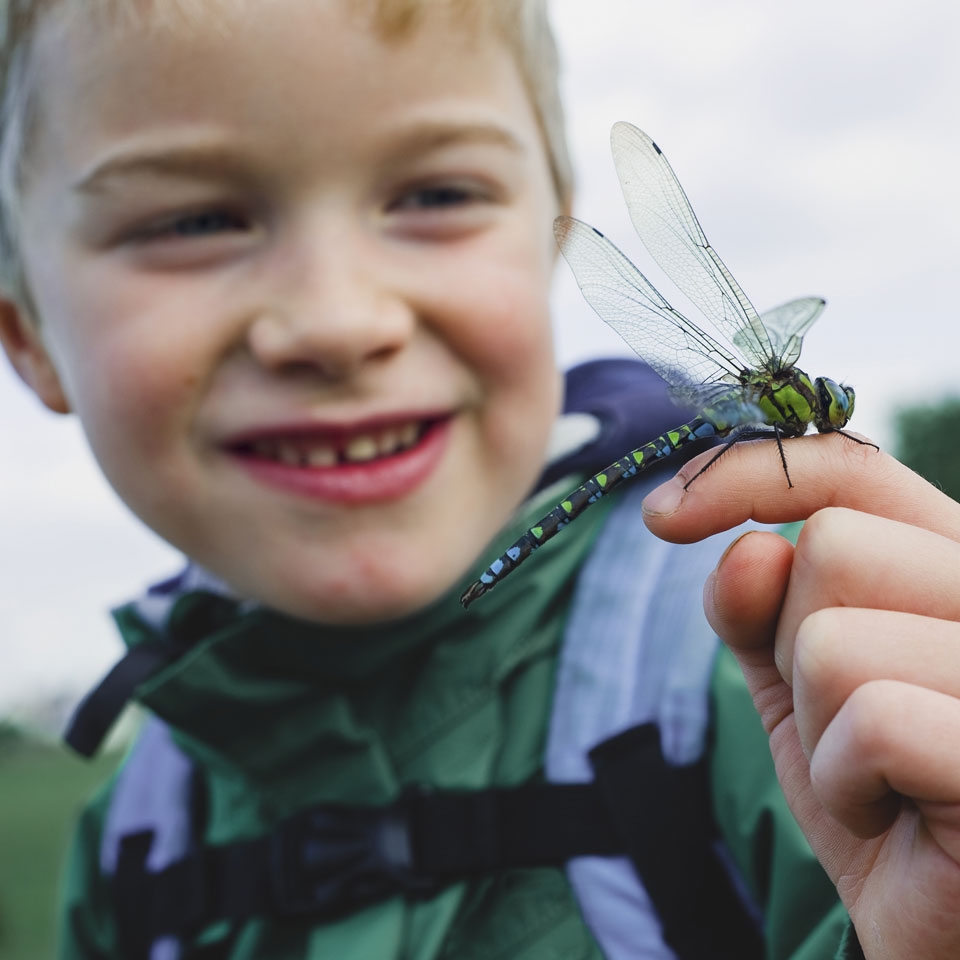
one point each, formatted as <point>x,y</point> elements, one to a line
<point>201,224</point>
<point>432,198</point>
<point>187,239</point>
<point>205,222</point>
<point>211,221</point>
<point>442,211</point>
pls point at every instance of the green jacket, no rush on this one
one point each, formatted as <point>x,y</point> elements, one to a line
<point>279,715</point>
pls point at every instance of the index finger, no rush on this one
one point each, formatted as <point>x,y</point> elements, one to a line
<point>827,470</point>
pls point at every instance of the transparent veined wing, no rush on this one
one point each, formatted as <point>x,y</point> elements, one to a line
<point>681,352</point>
<point>665,222</point>
<point>786,326</point>
<point>720,402</point>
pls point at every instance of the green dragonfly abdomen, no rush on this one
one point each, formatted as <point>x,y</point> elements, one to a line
<point>600,484</point>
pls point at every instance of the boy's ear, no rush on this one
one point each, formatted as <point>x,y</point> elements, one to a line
<point>24,346</point>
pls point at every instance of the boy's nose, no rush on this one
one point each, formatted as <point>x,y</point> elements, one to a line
<point>336,324</point>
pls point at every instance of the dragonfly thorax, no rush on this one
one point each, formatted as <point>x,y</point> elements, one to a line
<point>834,404</point>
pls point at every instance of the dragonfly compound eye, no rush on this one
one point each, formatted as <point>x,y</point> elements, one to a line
<point>836,404</point>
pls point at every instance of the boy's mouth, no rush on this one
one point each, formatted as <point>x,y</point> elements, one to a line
<point>367,463</point>
<point>327,448</point>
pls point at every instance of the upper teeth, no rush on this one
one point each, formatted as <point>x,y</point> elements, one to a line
<point>359,448</point>
<point>363,447</point>
<point>321,456</point>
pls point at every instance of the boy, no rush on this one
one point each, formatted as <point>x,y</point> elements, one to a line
<point>289,264</point>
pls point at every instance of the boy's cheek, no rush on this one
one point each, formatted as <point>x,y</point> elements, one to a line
<point>135,422</point>
<point>512,331</point>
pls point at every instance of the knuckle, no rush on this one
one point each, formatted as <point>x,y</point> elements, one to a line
<point>818,649</point>
<point>867,717</point>
<point>826,539</point>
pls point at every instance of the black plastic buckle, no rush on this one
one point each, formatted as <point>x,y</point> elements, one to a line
<point>333,859</point>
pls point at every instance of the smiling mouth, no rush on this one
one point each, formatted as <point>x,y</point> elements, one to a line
<point>319,451</point>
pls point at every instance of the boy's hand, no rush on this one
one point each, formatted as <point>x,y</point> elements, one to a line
<point>850,645</point>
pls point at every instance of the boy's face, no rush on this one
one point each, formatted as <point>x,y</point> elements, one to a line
<point>294,281</point>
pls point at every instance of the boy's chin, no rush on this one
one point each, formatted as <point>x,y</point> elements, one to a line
<point>357,607</point>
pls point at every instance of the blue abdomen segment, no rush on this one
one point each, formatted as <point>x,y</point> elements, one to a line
<point>599,485</point>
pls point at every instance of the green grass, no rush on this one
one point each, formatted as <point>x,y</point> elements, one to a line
<point>42,788</point>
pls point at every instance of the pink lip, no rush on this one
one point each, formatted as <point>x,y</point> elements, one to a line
<point>384,479</point>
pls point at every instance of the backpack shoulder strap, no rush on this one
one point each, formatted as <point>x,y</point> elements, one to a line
<point>151,823</point>
<point>154,792</point>
<point>634,678</point>
<point>637,646</point>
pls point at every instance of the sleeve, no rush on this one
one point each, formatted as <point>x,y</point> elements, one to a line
<point>86,927</point>
<point>803,917</point>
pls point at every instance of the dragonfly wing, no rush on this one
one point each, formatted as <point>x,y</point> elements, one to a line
<point>787,324</point>
<point>669,229</point>
<point>622,296</point>
<point>719,403</point>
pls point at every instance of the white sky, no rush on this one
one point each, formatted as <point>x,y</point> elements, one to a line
<point>819,145</point>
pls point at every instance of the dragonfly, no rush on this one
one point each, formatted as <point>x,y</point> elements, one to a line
<point>738,374</point>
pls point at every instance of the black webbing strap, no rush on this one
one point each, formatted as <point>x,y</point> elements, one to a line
<point>194,617</point>
<point>99,709</point>
<point>663,814</point>
<point>330,860</point>
<point>540,824</point>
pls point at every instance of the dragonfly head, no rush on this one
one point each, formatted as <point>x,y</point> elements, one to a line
<point>835,404</point>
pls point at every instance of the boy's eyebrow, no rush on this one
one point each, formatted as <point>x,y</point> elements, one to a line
<point>210,160</point>
<point>434,135</point>
<point>195,160</point>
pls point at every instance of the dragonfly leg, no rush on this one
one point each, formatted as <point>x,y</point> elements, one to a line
<point>747,432</point>
<point>863,443</point>
<point>783,457</point>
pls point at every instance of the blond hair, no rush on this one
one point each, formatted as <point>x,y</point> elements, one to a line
<point>522,24</point>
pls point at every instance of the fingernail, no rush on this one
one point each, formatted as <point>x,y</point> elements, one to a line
<point>666,499</point>
<point>730,546</point>
<point>709,589</point>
